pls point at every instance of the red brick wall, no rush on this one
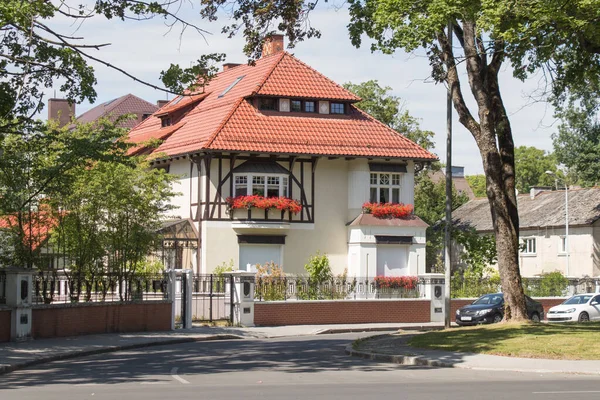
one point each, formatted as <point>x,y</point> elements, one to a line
<point>5,325</point>
<point>341,312</point>
<point>81,319</point>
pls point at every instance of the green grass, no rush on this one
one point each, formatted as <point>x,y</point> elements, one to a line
<point>553,341</point>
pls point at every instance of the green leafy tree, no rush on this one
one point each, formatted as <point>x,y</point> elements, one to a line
<point>37,54</point>
<point>387,108</point>
<point>430,206</point>
<point>477,184</point>
<point>531,165</point>
<point>577,146</point>
<point>36,168</point>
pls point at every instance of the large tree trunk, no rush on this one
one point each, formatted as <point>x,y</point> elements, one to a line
<point>493,136</point>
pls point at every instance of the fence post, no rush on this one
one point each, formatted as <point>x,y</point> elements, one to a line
<point>433,290</point>
<point>242,301</point>
<point>19,293</point>
<point>186,298</point>
<point>171,291</point>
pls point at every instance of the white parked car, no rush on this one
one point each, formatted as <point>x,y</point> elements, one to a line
<point>580,308</point>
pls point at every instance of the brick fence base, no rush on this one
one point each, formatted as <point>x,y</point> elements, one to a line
<point>90,318</point>
<point>5,325</point>
<point>341,312</point>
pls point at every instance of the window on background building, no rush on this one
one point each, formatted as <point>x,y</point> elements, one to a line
<point>385,188</point>
<point>337,108</point>
<point>261,185</point>
<point>309,106</point>
<point>562,247</point>
<point>529,246</point>
<point>296,106</point>
<point>268,104</point>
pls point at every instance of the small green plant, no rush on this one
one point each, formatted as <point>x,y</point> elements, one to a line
<point>319,273</point>
<point>223,268</point>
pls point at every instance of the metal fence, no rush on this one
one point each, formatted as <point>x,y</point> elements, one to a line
<point>58,288</point>
<point>2,287</point>
<point>211,297</point>
<point>303,288</point>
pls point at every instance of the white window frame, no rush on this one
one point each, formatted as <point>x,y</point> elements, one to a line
<point>284,183</point>
<point>390,186</point>
<point>562,245</point>
<point>527,248</point>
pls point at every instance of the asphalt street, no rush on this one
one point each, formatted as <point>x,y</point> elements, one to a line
<point>308,368</point>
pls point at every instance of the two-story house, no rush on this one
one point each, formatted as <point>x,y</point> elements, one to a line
<point>280,129</point>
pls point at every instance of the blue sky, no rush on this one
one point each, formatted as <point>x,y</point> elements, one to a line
<point>145,48</point>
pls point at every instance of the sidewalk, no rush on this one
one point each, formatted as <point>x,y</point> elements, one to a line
<point>18,355</point>
<point>401,353</point>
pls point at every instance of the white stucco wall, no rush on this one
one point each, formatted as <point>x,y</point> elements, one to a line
<point>341,187</point>
<point>548,258</point>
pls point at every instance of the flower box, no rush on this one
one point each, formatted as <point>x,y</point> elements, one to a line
<point>271,207</point>
<point>388,210</point>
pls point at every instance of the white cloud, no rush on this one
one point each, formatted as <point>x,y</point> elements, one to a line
<point>144,49</point>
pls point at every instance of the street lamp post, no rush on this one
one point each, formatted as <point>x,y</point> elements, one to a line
<point>556,178</point>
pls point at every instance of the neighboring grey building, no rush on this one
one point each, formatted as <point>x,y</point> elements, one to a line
<point>542,230</point>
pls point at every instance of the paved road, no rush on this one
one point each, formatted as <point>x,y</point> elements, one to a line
<point>307,368</point>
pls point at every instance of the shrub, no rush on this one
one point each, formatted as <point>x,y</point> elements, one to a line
<point>270,282</point>
<point>224,267</point>
<point>550,284</point>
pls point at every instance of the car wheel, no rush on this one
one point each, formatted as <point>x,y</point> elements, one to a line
<point>584,317</point>
<point>497,318</point>
<point>535,317</point>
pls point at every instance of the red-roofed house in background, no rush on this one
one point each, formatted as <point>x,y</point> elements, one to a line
<point>255,139</point>
<point>63,111</point>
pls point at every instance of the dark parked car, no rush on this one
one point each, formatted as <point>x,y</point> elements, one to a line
<point>489,309</point>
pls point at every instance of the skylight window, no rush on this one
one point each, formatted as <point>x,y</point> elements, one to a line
<point>110,101</point>
<point>237,80</point>
<point>177,100</point>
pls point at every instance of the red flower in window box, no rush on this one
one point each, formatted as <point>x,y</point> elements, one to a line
<point>388,210</point>
<point>397,282</point>
<point>264,203</point>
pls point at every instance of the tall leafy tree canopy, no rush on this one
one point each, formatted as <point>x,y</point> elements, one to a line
<point>577,146</point>
<point>531,165</point>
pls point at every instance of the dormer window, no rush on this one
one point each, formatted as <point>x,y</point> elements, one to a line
<point>267,104</point>
<point>296,106</point>
<point>309,106</point>
<point>336,108</point>
<point>165,121</point>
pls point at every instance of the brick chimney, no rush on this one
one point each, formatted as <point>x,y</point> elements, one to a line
<point>61,110</point>
<point>227,66</point>
<point>272,45</point>
<point>161,103</point>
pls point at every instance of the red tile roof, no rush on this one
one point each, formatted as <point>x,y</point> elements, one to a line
<point>229,121</point>
<point>35,230</point>
<point>128,104</point>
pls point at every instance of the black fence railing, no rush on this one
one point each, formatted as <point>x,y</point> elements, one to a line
<point>303,288</point>
<point>52,287</point>
<point>2,287</point>
<point>211,297</point>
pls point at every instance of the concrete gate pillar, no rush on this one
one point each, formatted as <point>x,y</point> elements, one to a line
<point>19,296</point>
<point>433,289</point>
<point>243,298</point>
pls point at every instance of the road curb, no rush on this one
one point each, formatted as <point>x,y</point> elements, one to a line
<point>405,359</point>
<point>4,369</point>
<point>333,331</point>
<point>398,358</point>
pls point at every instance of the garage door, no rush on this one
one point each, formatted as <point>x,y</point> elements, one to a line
<point>252,254</point>
<point>392,260</point>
